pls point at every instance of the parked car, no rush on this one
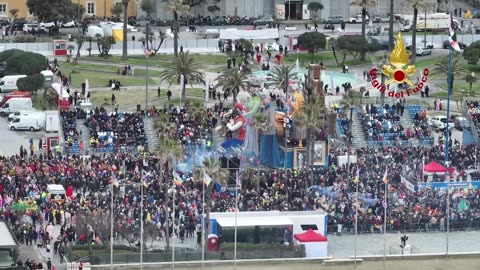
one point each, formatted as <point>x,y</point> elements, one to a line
<point>334,20</point>
<point>357,19</point>
<point>46,24</point>
<point>70,24</point>
<point>423,51</point>
<point>420,43</point>
<point>17,24</point>
<point>383,44</point>
<point>461,123</point>
<point>29,27</point>
<point>264,20</point>
<point>446,45</point>
<point>438,122</point>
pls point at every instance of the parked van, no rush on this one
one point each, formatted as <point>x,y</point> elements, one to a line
<point>15,105</point>
<point>15,115</point>
<point>48,75</point>
<point>28,122</point>
<point>9,83</point>
<point>17,94</point>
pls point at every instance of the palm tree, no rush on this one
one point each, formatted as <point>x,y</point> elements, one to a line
<point>211,167</point>
<point>186,65</point>
<point>471,79</point>
<point>279,77</point>
<point>312,117</point>
<point>233,80</point>
<point>441,67</point>
<point>416,5</point>
<point>177,8</point>
<point>364,5</point>
<point>125,23</point>
<point>351,100</point>
<point>168,152</point>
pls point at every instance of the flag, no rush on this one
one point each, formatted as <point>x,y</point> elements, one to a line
<point>177,179</point>
<point>238,180</point>
<point>357,176</point>
<point>207,179</point>
<point>385,176</point>
<point>453,35</point>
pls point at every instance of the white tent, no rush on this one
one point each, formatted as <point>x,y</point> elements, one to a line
<point>316,245</point>
<point>58,88</point>
<point>248,34</point>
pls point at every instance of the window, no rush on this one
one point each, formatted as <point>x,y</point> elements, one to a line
<point>3,10</point>
<point>309,226</point>
<point>90,8</point>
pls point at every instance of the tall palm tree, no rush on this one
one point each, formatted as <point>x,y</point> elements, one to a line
<point>177,8</point>
<point>125,23</point>
<point>233,80</point>
<point>441,67</point>
<point>279,77</point>
<point>312,117</point>
<point>416,5</point>
<point>211,167</point>
<point>351,100</point>
<point>167,153</point>
<point>364,5</point>
<point>186,65</point>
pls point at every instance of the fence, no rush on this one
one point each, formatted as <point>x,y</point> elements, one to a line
<point>134,47</point>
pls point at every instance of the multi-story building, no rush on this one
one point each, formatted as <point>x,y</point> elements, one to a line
<point>99,8</point>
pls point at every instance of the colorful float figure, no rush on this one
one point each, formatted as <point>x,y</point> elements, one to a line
<point>251,142</point>
<point>237,126</point>
<point>269,149</point>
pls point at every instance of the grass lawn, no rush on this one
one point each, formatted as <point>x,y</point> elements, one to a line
<point>139,70</point>
<point>160,60</point>
<point>130,98</point>
<point>458,87</point>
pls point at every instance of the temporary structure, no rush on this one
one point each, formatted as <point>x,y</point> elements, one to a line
<point>316,245</point>
<point>434,167</point>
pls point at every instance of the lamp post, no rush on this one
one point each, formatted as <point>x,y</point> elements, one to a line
<point>147,55</point>
<point>471,80</point>
<point>125,22</point>
<point>78,16</point>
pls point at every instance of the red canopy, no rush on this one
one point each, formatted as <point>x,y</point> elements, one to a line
<point>434,167</point>
<point>310,236</point>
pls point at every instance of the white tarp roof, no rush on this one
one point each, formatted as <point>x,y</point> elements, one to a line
<point>253,221</point>
<point>7,240</point>
<point>58,88</point>
<point>56,189</point>
<point>248,34</point>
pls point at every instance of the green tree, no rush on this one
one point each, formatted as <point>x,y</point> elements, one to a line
<point>177,8</point>
<point>351,100</point>
<point>315,7</point>
<point>356,46</point>
<point>14,13</point>
<point>416,5</point>
<point>31,83</point>
<point>27,63</point>
<point>186,65</point>
<point>471,53</point>
<point>211,167</point>
<point>233,80</point>
<point>5,55</point>
<point>116,9</point>
<point>80,40</point>
<point>104,45</point>
<point>213,8</point>
<point>148,7</point>
<point>471,79</point>
<point>312,41</point>
<point>441,67</point>
<point>54,10</point>
<point>312,117</point>
<point>279,76</point>
<point>49,99</point>
<point>168,153</point>
<point>364,5</point>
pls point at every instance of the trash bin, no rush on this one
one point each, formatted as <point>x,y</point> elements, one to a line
<point>139,107</point>
<point>212,242</point>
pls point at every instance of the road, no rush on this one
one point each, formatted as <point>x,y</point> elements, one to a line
<point>12,140</point>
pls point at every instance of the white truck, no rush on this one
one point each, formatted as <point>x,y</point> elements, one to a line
<point>15,115</point>
<point>15,105</point>
<point>9,83</point>
<point>52,121</point>
<point>434,22</point>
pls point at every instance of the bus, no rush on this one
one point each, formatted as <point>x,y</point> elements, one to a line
<point>435,22</point>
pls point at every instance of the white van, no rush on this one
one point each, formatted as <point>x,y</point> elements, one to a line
<point>48,75</point>
<point>9,83</point>
<point>28,122</point>
<point>15,115</point>
<point>15,105</point>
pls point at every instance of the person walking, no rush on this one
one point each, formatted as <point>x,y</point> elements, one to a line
<point>158,91</point>
<point>49,264</point>
<point>169,94</point>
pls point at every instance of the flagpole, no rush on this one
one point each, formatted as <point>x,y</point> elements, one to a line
<point>147,54</point>
<point>385,226</point>
<point>447,137</point>
<point>236,211</point>
<point>173,227</point>
<point>203,221</point>
<point>111,225</point>
<point>356,222</point>
<point>141,221</point>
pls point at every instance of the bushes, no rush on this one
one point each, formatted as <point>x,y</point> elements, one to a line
<point>27,63</point>
<point>5,55</point>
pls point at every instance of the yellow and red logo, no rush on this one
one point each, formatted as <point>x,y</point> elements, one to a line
<point>398,72</point>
